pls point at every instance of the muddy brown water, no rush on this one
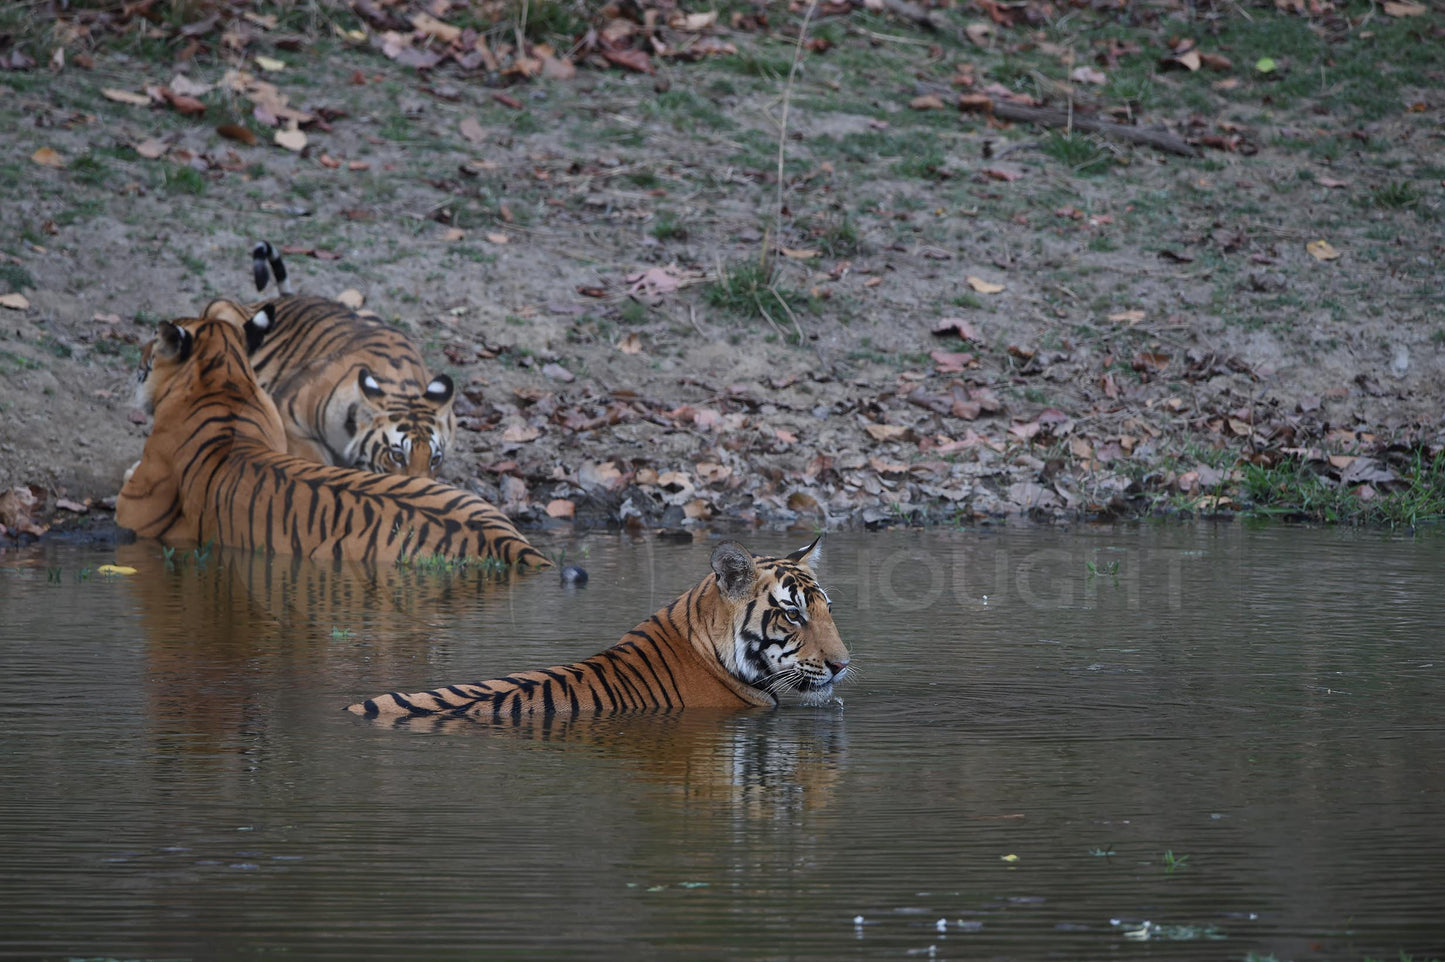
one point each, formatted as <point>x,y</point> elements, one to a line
<point>1054,737</point>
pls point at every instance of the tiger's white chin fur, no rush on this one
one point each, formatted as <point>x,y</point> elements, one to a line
<point>816,697</point>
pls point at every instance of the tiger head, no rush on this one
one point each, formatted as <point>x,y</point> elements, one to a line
<point>393,432</point>
<point>390,428</point>
<point>161,359</point>
<point>783,637</point>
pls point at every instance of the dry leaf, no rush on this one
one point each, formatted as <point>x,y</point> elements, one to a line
<point>152,149</point>
<point>48,157</point>
<point>1397,8</point>
<point>797,254</point>
<point>957,325</point>
<point>431,26</point>
<point>292,139</point>
<point>983,286</point>
<point>604,475</point>
<point>1127,317</point>
<point>561,508</point>
<point>189,106</point>
<point>352,298</point>
<point>885,432</point>
<point>16,302</point>
<point>1322,250</point>
<point>1088,75</point>
<point>186,87</point>
<point>630,344</point>
<point>520,433</point>
<point>498,238</point>
<point>472,130</point>
<point>242,135</point>
<point>269,64</point>
<point>950,362</point>
<point>926,102</point>
<point>452,234</point>
<point>125,97</point>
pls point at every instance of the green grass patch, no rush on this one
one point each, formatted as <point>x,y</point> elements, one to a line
<point>1079,152</point>
<point>750,289</point>
<point>1294,491</point>
<point>184,180</point>
<point>15,277</point>
<point>667,227</point>
<point>1396,195</point>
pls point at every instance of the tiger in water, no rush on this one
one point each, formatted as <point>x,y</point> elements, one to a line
<point>752,628</point>
<point>215,467</point>
<point>351,390</point>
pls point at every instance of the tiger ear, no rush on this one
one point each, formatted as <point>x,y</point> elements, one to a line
<point>810,556</point>
<point>258,327</point>
<point>173,342</point>
<point>440,389</point>
<point>736,572</point>
<point>368,384</point>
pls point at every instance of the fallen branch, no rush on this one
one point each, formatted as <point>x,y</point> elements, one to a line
<point>1156,137</point>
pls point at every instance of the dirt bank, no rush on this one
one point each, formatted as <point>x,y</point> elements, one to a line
<point>962,318</point>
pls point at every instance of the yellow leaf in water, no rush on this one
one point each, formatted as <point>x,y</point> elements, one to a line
<point>983,286</point>
<point>1322,250</point>
<point>115,570</point>
<point>270,64</point>
<point>1009,858</point>
<point>48,157</point>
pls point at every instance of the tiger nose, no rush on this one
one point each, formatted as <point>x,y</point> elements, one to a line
<point>836,667</point>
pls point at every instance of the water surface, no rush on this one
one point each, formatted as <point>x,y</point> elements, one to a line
<point>1053,738</point>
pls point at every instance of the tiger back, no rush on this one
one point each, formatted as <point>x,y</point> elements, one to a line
<point>215,468</point>
<point>750,629</point>
<point>351,390</point>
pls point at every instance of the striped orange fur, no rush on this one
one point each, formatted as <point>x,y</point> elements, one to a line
<point>750,629</point>
<point>214,468</point>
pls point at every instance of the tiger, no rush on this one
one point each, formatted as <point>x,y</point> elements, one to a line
<point>750,629</point>
<point>351,390</point>
<point>215,468</point>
